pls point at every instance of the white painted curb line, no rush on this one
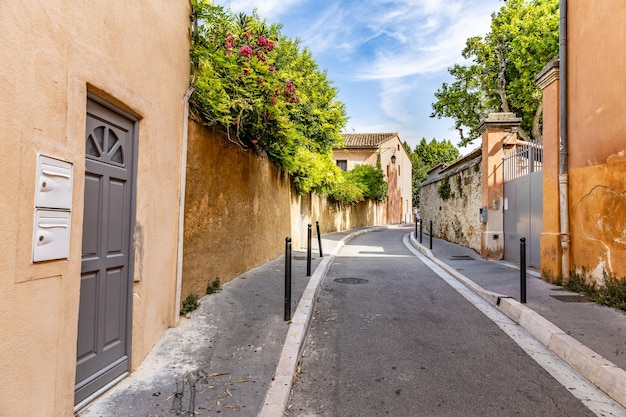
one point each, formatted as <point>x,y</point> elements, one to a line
<point>278,394</point>
<point>598,370</point>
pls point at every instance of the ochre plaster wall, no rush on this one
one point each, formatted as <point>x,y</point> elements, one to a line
<point>597,137</point>
<point>237,210</point>
<point>53,53</point>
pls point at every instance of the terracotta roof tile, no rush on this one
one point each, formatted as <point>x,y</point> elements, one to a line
<point>362,140</point>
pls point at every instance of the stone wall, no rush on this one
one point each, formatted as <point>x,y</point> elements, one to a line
<point>455,219</point>
<point>239,207</point>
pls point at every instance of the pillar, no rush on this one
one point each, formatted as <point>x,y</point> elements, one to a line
<point>496,129</point>
<point>550,243</point>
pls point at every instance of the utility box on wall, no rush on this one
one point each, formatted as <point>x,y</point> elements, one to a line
<point>53,203</point>
<point>483,214</point>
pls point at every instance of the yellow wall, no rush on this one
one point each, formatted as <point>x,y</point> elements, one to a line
<point>597,137</point>
<point>53,53</point>
<point>239,208</point>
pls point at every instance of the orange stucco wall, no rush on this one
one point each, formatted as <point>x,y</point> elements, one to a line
<point>597,137</point>
<point>550,239</point>
<point>53,54</point>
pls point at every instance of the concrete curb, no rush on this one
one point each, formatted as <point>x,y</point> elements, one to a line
<point>604,374</point>
<point>278,393</point>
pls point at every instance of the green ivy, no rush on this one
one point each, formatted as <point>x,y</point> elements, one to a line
<point>444,191</point>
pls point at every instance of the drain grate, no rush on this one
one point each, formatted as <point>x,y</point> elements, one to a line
<point>351,280</point>
<point>461,258</point>
<point>576,298</point>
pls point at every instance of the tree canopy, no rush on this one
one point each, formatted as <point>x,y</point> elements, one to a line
<point>500,76</point>
<point>427,155</point>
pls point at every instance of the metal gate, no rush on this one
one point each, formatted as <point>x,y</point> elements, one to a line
<point>523,201</point>
<point>103,347</point>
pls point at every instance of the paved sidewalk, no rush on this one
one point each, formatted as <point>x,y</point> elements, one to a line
<point>589,337</point>
<point>223,357</point>
<point>236,355</point>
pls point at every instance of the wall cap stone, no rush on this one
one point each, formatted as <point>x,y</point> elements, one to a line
<point>549,73</point>
<point>496,121</point>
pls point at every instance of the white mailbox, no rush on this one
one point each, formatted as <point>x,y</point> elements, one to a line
<point>54,183</point>
<point>52,235</point>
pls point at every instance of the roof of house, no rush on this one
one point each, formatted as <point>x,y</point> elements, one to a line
<point>366,140</point>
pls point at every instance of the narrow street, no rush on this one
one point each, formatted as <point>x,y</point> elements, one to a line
<point>391,338</point>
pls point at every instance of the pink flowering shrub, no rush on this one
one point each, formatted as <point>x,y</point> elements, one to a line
<point>264,91</point>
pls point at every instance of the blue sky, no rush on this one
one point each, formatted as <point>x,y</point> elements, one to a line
<point>386,57</point>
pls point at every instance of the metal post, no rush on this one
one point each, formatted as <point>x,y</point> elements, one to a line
<point>308,252</point>
<point>431,235</point>
<point>421,223</point>
<point>287,278</point>
<point>319,238</point>
<point>522,269</point>
<point>415,228</point>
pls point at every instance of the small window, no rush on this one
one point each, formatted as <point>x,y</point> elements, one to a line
<point>343,164</point>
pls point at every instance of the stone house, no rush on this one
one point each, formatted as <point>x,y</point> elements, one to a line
<point>584,139</point>
<point>387,151</point>
<point>93,98</point>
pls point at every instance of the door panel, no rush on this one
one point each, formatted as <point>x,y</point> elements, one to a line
<point>106,285</point>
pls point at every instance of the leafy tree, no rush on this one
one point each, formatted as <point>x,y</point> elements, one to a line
<point>427,155</point>
<point>369,179</point>
<point>266,92</point>
<point>524,36</point>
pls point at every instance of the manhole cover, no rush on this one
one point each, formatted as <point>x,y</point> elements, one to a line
<point>300,258</point>
<point>461,258</point>
<point>573,298</point>
<point>351,280</point>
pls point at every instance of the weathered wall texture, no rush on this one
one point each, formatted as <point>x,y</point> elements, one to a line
<point>239,207</point>
<point>237,210</point>
<point>597,138</point>
<point>53,53</point>
<point>457,218</point>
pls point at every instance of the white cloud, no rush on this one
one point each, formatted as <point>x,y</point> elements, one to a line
<point>266,8</point>
<point>431,37</point>
<point>394,99</point>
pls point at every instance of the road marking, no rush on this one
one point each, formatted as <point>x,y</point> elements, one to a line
<point>591,396</point>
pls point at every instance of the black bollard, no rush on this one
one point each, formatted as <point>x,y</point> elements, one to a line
<point>431,235</point>
<point>287,278</point>
<point>319,238</point>
<point>522,269</point>
<point>308,252</point>
<point>421,230</point>
<point>415,228</point>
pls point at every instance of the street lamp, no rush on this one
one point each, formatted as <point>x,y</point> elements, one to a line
<point>393,159</point>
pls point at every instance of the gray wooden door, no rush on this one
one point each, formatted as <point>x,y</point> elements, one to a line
<point>106,276</point>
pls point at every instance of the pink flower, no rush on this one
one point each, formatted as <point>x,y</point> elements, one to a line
<point>245,51</point>
<point>271,68</point>
<point>261,80</point>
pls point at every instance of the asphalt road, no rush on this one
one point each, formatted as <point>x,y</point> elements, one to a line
<point>391,338</point>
